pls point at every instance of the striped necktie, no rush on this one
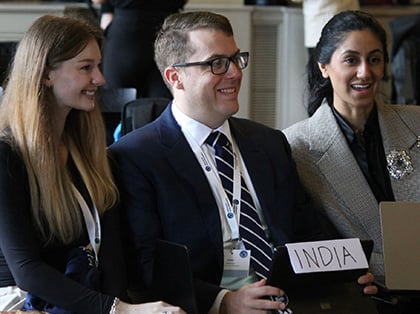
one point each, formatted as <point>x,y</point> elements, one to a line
<point>250,228</point>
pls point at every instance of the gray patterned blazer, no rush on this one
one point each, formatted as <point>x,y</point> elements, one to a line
<point>331,175</point>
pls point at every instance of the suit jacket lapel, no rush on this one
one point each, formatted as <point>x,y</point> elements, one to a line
<point>255,159</point>
<point>184,162</point>
<point>344,177</point>
<point>398,135</point>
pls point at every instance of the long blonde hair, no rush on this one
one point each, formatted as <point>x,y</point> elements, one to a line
<point>26,123</point>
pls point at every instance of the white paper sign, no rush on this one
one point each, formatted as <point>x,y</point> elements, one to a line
<point>332,255</point>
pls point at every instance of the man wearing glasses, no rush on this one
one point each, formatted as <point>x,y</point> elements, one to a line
<point>173,187</point>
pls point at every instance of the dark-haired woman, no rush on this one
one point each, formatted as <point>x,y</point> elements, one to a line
<point>354,151</point>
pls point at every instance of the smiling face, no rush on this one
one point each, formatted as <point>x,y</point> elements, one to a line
<point>355,71</point>
<point>75,82</point>
<point>199,93</point>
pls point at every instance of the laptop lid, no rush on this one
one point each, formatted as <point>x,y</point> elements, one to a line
<point>321,292</point>
<point>400,222</point>
<point>172,276</point>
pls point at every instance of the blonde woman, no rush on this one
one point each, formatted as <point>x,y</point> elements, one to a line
<point>59,230</point>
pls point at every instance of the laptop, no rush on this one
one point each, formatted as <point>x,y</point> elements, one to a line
<point>400,223</point>
<point>172,276</point>
<point>322,292</point>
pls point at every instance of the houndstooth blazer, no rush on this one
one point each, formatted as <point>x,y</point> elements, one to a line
<point>331,175</point>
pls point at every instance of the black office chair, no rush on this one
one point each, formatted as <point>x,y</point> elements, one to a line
<point>7,51</point>
<point>141,111</point>
<point>111,102</point>
<point>405,59</point>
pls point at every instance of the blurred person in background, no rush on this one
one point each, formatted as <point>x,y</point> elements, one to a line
<point>316,13</point>
<point>130,29</point>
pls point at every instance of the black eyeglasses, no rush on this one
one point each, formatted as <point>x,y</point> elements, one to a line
<point>220,65</point>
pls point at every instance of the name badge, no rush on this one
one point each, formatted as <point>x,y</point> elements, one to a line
<point>237,263</point>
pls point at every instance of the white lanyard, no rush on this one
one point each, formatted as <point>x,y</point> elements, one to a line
<point>93,224</point>
<point>231,211</point>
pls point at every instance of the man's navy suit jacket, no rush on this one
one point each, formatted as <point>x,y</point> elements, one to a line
<point>165,195</point>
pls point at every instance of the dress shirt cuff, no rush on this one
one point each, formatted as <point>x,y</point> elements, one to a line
<point>215,308</point>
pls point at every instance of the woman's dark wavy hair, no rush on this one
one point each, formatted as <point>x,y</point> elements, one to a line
<point>332,36</point>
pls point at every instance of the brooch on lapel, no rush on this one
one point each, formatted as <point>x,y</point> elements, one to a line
<point>399,163</point>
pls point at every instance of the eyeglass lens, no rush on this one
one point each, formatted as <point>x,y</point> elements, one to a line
<point>221,65</point>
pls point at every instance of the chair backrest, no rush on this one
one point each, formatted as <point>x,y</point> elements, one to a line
<point>141,111</point>
<point>113,99</point>
<point>7,52</point>
<point>111,102</point>
<point>405,57</point>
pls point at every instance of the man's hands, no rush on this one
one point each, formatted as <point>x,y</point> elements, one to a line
<point>252,298</point>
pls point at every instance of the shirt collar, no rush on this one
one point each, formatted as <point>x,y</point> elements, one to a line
<point>196,129</point>
<point>370,124</point>
<point>344,126</point>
